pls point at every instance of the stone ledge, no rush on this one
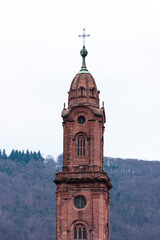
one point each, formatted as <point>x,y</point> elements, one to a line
<point>83,176</point>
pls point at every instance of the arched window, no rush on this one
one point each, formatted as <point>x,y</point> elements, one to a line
<point>79,232</point>
<point>92,91</point>
<point>72,92</point>
<point>81,145</point>
<point>82,90</point>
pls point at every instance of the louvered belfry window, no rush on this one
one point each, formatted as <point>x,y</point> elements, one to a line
<point>81,145</point>
<point>80,232</point>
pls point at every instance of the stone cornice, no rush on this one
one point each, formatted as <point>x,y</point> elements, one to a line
<point>83,177</point>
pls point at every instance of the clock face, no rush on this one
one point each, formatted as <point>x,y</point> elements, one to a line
<point>80,202</point>
<point>81,120</point>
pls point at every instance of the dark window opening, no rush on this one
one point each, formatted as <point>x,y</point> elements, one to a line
<point>81,120</point>
<point>80,233</point>
<point>81,146</point>
<point>75,233</point>
<point>80,202</point>
<point>82,91</point>
<point>92,91</point>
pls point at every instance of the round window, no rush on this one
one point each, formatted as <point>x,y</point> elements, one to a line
<point>80,202</point>
<point>81,120</point>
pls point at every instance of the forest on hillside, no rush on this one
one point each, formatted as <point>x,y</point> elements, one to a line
<point>28,204</point>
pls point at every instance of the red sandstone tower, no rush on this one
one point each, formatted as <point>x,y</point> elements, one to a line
<point>83,186</point>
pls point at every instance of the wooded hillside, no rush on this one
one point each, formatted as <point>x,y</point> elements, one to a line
<point>28,206</point>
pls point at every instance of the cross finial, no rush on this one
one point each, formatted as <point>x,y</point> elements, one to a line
<point>84,36</point>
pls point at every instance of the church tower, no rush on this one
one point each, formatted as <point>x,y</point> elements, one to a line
<point>83,186</point>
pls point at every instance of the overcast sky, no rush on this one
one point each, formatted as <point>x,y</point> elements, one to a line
<point>39,57</point>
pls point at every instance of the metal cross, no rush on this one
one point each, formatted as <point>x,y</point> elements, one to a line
<point>84,36</point>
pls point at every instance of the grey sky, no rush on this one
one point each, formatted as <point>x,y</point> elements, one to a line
<point>39,56</point>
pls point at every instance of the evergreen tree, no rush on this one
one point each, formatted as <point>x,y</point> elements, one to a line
<point>4,155</point>
<point>27,156</point>
<point>12,155</point>
<point>19,157</point>
<point>34,156</point>
<point>16,155</point>
<point>39,156</point>
<point>31,155</point>
<point>22,156</point>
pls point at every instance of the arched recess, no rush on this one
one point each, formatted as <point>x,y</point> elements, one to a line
<point>81,91</point>
<point>81,145</point>
<point>79,230</point>
<point>81,140</point>
<point>92,92</point>
<point>85,111</point>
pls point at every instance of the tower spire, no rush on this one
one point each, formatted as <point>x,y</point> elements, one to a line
<point>83,186</point>
<point>84,53</point>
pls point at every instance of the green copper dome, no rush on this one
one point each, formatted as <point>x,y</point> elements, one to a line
<point>83,53</point>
